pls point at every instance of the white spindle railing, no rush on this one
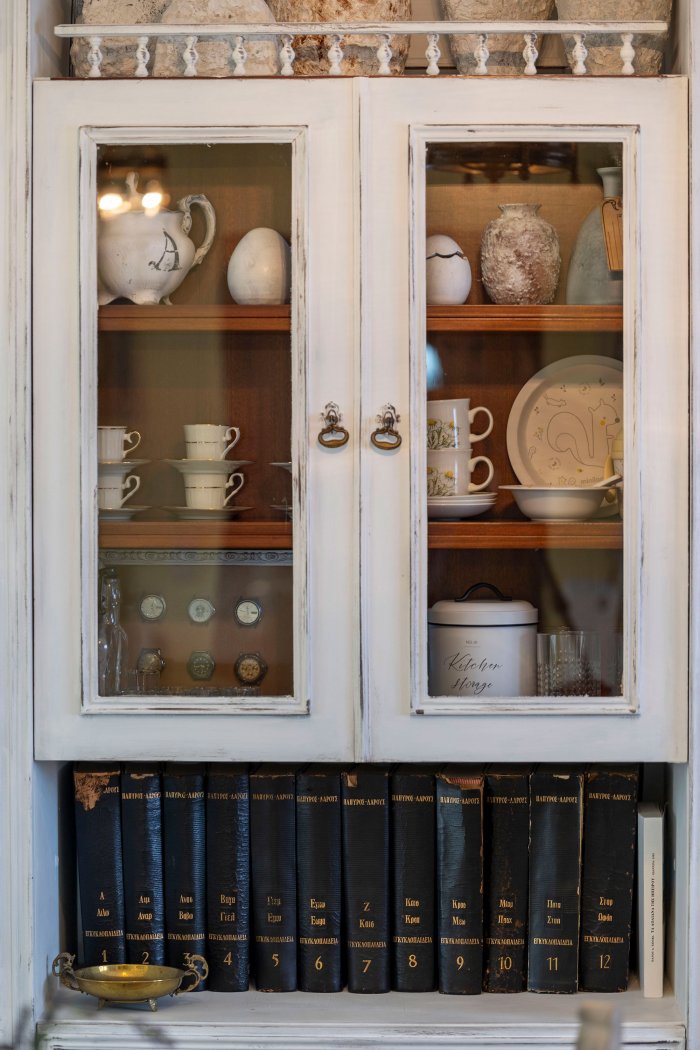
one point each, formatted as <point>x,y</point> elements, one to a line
<point>340,33</point>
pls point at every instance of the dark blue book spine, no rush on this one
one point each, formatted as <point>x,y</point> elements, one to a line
<point>413,866</point>
<point>273,879</point>
<point>365,823</point>
<point>319,881</point>
<point>607,883</point>
<point>228,878</point>
<point>506,848</point>
<point>460,881</point>
<point>99,848</point>
<point>184,851</point>
<point>556,821</point>
<point>142,846</point>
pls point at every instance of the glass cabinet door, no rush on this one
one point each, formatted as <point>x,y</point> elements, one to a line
<point>190,503</point>
<point>542,399</point>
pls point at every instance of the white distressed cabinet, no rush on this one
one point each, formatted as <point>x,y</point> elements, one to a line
<point>366,560</point>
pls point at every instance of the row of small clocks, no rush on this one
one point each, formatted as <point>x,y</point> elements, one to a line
<point>246,611</point>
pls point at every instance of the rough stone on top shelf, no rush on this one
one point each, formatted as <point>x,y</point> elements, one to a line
<point>359,52</point>
<point>214,56</point>
<point>118,55</point>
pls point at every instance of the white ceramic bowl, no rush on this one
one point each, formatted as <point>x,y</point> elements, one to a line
<point>557,504</point>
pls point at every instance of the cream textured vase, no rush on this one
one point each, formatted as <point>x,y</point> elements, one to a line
<point>505,49</point>
<point>215,56</point>
<point>118,55</point>
<point>359,52</point>
<point>604,51</point>
<point>520,258</point>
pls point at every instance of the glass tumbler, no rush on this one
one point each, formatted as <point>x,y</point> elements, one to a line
<point>568,663</point>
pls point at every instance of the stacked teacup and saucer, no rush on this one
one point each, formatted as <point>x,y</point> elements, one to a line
<point>211,480</point>
<point>115,483</point>
<point>453,491</point>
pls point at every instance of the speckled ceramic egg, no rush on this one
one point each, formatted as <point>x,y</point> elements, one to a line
<point>260,269</point>
<point>448,273</point>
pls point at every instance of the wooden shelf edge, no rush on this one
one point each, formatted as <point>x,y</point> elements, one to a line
<point>524,535</point>
<point>195,535</point>
<point>127,317</point>
<point>558,318</point>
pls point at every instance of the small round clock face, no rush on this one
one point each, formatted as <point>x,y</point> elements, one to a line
<point>250,668</point>
<point>152,607</point>
<point>248,612</point>
<point>200,610</point>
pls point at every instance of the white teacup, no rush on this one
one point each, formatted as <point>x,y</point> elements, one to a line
<point>209,441</point>
<point>208,491</point>
<point>112,442</point>
<point>450,422</point>
<point>113,492</point>
<point>450,472</point>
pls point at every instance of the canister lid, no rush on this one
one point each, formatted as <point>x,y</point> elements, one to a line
<point>499,611</point>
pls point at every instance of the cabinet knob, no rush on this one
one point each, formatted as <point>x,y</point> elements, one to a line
<point>332,435</point>
<point>386,436</point>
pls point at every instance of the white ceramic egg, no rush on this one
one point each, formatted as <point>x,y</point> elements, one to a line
<point>260,269</point>
<point>448,273</point>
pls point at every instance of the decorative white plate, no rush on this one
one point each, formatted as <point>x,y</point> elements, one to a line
<point>121,513</point>
<point>110,467</point>
<point>285,466</point>
<point>457,507</point>
<point>208,466</point>
<point>205,514</point>
<point>564,420</point>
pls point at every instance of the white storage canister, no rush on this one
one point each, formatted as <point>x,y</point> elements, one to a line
<point>482,648</point>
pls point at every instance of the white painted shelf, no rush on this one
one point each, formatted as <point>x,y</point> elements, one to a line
<point>295,1020</point>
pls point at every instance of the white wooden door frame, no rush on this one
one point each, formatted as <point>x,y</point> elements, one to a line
<point>395,111</point>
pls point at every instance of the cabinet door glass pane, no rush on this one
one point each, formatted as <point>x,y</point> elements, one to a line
<point>194,469</point>
<point>524,418</point>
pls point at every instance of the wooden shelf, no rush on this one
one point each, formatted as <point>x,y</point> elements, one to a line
<point>195,535</point>
<point>277,535</point>
<point>484,318</point>
<point>490,318</point>
<point>219,318</point>
<point>524,535</point>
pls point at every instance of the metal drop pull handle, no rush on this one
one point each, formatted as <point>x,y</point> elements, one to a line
<point>386,436</point>
<point>332,435</point>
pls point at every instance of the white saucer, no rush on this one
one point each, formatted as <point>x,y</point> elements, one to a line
<point>205,514</point>
<point>207,466</point>
<point>457,507</point>
<point>285,466</point>
<point>121,513</point>
<point>118,466</point>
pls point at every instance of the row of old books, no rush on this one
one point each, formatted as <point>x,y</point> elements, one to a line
<point>406,878</point>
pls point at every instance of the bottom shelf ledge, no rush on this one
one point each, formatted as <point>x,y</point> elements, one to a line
<point>341,1021</point>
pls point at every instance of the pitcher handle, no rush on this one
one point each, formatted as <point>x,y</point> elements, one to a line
<point>184,206</point>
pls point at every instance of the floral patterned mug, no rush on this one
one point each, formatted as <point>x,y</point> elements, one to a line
<point>450,472</point>
<point>450,422</point>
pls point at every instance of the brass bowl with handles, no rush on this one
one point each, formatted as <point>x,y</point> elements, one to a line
<point>129,982</point>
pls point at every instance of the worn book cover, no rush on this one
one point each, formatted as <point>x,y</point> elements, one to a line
<point>460,873</point>
<point>273,878</point>
<point>556,824</point>
<point>319,906</point>
<point>227,803</point>
<point>413,869</point>
<point>365,824</point>
<point>607,882</point>
<point>184,862</point>
<point>650,907</point>
<point>142,847</point>
<point>99,845</point>
<point>506,864</point>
